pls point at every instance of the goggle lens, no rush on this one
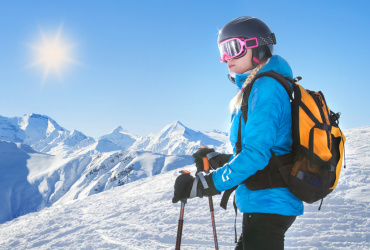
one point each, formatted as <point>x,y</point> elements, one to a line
<point>232,48</point>
<point>236,47</point>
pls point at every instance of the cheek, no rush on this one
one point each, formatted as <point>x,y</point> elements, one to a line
<point>248,59</point>
<point>244,64</point>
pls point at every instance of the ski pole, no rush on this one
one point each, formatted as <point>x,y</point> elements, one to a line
<point>206,169</point>
<point>181,219</point>
<point>181,223</point>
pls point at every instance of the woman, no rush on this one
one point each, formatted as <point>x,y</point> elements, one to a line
<point>246,46</point>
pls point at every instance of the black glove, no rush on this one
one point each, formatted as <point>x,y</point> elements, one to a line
<point>185,187</point>
<point>216,160</point>
<point>198,158</point>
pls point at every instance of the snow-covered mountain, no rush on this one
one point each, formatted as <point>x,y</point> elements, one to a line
<point>180,140</point>
<point>140,215</point>
<point>29,129</point>
<point>117,168</point>
<point>121,138</point>
<point>44,135</point>
<point>41,163</point>
<point>31,181</point>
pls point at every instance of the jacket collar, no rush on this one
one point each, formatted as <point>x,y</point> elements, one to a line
<point>239,79</point>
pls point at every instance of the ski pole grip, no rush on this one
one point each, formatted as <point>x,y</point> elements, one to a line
<point>205,162</point>
<point>184,172</point>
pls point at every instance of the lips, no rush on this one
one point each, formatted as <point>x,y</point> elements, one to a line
<point>230,66</point>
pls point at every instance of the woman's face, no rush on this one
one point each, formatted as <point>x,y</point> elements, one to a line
<point>240,65</point>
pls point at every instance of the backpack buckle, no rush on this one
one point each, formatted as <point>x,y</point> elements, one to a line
<point>324,126</point>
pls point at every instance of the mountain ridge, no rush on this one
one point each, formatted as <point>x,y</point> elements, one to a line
<point>45,135</point>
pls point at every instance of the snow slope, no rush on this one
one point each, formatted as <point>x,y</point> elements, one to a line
<point>140,215</point>
<point>31,181</point>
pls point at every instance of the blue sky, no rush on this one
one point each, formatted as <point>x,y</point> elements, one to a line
<point>145,64</point>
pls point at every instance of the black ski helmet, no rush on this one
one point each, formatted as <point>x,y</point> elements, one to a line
<point>250,27</point>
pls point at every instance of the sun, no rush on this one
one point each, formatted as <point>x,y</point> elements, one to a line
<point>53,54</point>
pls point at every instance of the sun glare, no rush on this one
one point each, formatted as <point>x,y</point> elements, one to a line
<point>53,54</point>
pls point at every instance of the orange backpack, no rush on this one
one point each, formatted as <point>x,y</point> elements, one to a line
<point>311,171</point>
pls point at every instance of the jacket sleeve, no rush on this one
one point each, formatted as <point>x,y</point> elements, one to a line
<point>265,109</point>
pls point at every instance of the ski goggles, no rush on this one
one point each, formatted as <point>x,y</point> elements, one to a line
<point>237,47</point>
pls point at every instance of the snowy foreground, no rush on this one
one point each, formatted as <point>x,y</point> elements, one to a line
<point>140,215</point>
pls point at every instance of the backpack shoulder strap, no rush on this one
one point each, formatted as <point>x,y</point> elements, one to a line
<point>278,77</point>
<point>246,93</point>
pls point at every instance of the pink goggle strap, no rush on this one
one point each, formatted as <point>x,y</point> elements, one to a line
<point>256,60</point>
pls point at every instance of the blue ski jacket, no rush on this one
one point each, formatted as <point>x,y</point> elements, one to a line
<point>268,127</point>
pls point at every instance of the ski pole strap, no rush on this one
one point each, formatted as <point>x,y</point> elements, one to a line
<point>203,180</point>
<point>226,196</point>
<point>212,154</point>
<point>238,143</point>
<point>200,176</point>
<point>236,214</point>
<point>193,192</point>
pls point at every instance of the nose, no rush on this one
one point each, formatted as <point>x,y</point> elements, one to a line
<point>227,59</point>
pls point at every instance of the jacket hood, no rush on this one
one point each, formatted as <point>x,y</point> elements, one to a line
<point>276,63</point>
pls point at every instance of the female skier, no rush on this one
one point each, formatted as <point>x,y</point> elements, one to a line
<point>246,46</point>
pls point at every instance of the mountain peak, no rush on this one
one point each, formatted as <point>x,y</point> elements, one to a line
<point>173,127</point>
<point>121,137</point>
<point>38,119</point>
<point>34,115</point>
<point>118,129</point>
<point>77,134</point>
<point>177,123</point>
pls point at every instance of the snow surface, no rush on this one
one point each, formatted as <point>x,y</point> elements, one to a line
<point>140,215</point>
<point>31,181</point>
